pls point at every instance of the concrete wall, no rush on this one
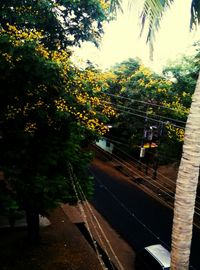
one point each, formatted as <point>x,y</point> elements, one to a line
<point>105,145</point>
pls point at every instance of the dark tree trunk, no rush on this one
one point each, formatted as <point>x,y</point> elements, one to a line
<point>32,218</point>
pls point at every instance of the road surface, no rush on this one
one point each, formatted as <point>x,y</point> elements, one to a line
<point>138,218</point>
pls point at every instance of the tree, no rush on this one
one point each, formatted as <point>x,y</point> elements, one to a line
<point>186,188</point>
<point>63,22</point>
<point>189,168</point>
<point>48,108</point>
<point>143,99</point>
<point>185,73</point>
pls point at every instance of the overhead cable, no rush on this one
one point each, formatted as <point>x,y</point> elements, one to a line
<point>132,214</point>
<point>99,256</point>
<point>100,227</point>
<point>145,117</point>
<point>140,101</point>
<point>159,187</point>
<point>157,115</point>
<point>79,191</point>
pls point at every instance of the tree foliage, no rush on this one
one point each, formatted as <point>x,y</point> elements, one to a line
<point>49,109</point>
<point>144,98</point>
<point>63,22</point>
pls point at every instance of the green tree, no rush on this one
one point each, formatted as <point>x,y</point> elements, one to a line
<point>34,134</point>
<point>185,73</point>
<point>63,22</point>
<point>48,108</point>
<point>143,99</point>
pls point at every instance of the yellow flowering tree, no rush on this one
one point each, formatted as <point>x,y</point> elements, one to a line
<point>147,100</point>
<point>48,108</point>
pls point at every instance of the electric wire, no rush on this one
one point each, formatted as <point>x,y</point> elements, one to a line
<point>142,116</point>
<point>122,143</point>
<point>197,209</point>
<point>98,235</point>
<point>84,216</point>
<point>159,187</point>
<point>129,211</point>
<point>136,173</point>
<point>162,175</point>
<point>140,101</point>
<point>139,162</point>
<point>149,118</point>
<point>197,206</point>
<point>94,226</point>
<point>117,158</point>
<point>100,227</point>
<point>132,109</point>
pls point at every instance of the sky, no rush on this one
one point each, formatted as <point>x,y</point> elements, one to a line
<point>121,38</point>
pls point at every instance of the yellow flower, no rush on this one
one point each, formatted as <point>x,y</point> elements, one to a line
<point>104,4</point>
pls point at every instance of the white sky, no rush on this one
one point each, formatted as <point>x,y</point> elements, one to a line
<point>121,39</point>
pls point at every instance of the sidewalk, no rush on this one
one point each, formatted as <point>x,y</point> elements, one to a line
<point>63,248</point>
<point>119,252</point>
<point>63,244</point>
<point>21,222</point>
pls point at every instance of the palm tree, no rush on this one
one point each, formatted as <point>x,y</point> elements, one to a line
<point>186,187</point>
<point>188,174</point>
<point>187,181</point>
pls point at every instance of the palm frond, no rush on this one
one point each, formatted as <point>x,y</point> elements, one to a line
<point>195,13</point>
<point>152,13</point>
<point>115,5</point>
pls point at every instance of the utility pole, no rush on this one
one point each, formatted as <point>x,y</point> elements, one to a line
<point>149,141</point>
<point>156,161</point>
<point>142,149</point>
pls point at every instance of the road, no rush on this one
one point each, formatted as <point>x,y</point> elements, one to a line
<point>138,218</point>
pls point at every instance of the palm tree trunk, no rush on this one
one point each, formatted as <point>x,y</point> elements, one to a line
<point>186,188</point>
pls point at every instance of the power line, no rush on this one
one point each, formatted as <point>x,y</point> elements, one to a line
<point>100,227</point>
<point>84,216</point>
<point>149,118</point>
<point>160,187</point>
<point>132,214</point>
<point>165,177</point>
<point>136,173</point>
<point>140,101</point>
<point>132,109</point>
<point>93,224</point>
<point>129,211</point>
<point>128,145</point>
<point>141,176</point>
<point>79,190</point>
<point>170,180</point>
<point>142,116</point>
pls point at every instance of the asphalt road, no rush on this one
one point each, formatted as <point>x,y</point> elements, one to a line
<point>137,217</point>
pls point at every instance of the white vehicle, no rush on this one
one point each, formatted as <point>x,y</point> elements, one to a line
<point>154,257</point>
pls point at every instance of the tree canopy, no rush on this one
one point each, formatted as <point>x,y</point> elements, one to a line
<point>143,99</point>
<point>49,108</point>
<point>63,22</point>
